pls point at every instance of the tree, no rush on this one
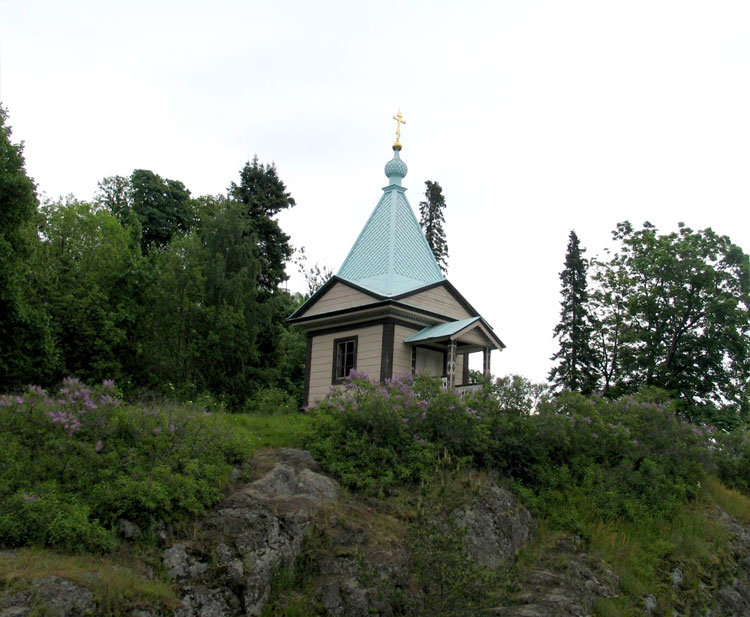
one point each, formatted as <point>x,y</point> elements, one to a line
<point>608,310</point>
<point>683,305</point>
<point>264,195</point>
<point>27,352</point>
<point>89,266</point>
<point>432,219</point>
<point>156,209</point>
<point>574,370</point>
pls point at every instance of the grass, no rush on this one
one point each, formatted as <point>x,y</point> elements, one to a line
<point>644,555</point>
<point>261,431</point>
<point>120,579</point>
<point>732,502</point>
<point>119,582</point>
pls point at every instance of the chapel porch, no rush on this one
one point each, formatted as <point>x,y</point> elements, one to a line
<point>436,350</point>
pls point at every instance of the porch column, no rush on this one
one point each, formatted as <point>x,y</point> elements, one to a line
<point>487,354</point>
<point>452,364</point>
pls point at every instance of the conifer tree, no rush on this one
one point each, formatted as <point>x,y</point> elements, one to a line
<point>264,195</point>
<point>574,370</point>
<point>431,221</point>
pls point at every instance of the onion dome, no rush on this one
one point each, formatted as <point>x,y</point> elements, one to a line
<point>395,169</point>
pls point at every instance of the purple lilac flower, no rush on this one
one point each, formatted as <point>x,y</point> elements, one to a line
<point>108,383</point>
<point>99,445</point>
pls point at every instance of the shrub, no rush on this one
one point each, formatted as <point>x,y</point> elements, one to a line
<point>75,462</point>
<point>575,460</point>
<point>271,401</point>
<point>732,457</point>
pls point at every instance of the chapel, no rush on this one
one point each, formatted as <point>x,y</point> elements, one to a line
<point>389,310</point>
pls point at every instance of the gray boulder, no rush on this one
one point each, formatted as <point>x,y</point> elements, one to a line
<point>496,524</point>
<point>254,532</point>
<point>56,597</point>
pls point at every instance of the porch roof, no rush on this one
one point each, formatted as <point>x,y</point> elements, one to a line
<point>441,330</point>
<point>453,330</point>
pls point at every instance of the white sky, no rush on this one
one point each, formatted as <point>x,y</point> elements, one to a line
<point>535,117</point>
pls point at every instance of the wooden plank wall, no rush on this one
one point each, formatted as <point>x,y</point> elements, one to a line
<point>321,359</point>
<point>339,296</point>
<point>438,300</point>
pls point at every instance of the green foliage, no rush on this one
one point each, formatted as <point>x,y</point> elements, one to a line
<point>161,207</point>
<point>574,369</point>
<point>449,578</point>
<point>74,463</point>
<point>576,461</point>
<point>271,401</point>
<point>732,458</point>
<point>375,437</point>
<point>209,327</point>
<point>261,195</point>
<point>27,349</point>
<point>432,220</point>
<point>673,311</point>
<point>153,208</point>
<point>581,460</point>
<point>119,583</point>
<point>89,269</point>
<point>517,394</point>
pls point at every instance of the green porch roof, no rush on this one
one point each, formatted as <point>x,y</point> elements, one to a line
<point>441,330</point>
<point>391,255</point>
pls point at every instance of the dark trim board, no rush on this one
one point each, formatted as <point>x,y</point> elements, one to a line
<point>301,321</point>
<point>363,324</point>
<point>386,350</point>
<point>308,367</point>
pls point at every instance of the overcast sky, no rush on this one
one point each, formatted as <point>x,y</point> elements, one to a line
<point>535,117</point>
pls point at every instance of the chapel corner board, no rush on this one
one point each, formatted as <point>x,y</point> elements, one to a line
<point>389,310</point>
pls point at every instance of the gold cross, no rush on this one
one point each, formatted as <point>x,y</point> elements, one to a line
<point>399,121</point>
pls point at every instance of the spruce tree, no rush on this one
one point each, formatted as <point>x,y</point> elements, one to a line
<point>263,195</point>
<point>431,221</point>
<point>574,370</point>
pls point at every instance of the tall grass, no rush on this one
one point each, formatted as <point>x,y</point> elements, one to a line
<point>119,583</point>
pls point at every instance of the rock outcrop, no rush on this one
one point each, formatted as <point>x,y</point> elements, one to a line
<point>733,600</point>
<point>356,558</point>
<point>50,596</point>
<point>565,584</point>
<point>254,532</point>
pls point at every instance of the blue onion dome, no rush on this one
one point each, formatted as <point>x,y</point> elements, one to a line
<point>396,168</point>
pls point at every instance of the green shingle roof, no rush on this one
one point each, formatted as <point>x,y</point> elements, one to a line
<point>441,330</point>
<point>391,255</point>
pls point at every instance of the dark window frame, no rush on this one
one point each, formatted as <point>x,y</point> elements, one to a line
<point>335,379</point>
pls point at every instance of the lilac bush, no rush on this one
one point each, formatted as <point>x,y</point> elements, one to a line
<point>76,460</point>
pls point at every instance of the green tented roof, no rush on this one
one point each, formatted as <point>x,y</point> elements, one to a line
<point>441,330</point>
<point>391,255</point>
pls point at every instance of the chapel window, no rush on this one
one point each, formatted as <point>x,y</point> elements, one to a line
<point>345,358</point>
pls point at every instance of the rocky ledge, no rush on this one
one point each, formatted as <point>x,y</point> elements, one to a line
<point>357,559</point>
